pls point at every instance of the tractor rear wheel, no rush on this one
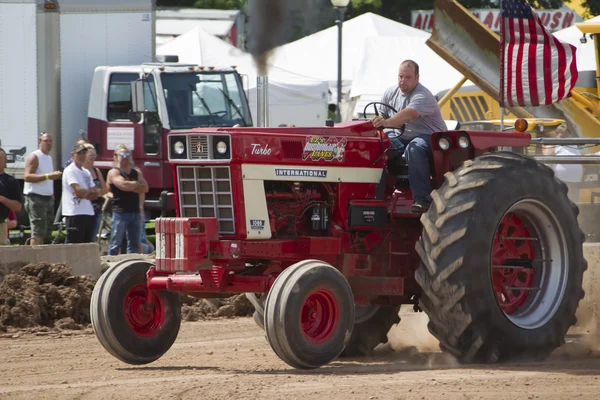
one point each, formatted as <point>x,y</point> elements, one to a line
<point>309,314</point>
<point>130,329</point>
<point>371,329</point>
<point>501,260</point>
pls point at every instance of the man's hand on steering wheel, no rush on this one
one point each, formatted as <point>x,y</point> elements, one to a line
<point>379,122</point>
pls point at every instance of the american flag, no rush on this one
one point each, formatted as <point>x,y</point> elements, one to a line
<point>535,67</point>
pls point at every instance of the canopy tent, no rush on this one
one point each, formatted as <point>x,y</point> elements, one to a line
<point>293,98</point>
<point>586,56</point>
<point>374,74</point>
<point>316,55</point>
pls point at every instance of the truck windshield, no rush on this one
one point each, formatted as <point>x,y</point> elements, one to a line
<point>205,99</point>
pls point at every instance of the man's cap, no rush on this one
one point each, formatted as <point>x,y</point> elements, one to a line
<point>79,147</point>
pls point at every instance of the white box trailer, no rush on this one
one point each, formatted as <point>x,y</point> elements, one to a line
<point>49,50</point>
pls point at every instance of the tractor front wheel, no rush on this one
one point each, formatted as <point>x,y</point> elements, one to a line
<point>309,314</point>
<point>502,260</point>
<point>130,328</point>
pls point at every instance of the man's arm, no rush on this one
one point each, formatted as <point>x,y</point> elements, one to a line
<point>13,201</point>
<point>88,194</point>
<point>142,183</point>
<point>31,165</point>
<point>14,205</point>
<point>117,179</point>
<point>396,120</point>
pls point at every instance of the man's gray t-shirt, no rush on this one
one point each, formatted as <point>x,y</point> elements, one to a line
<point>422,101</point>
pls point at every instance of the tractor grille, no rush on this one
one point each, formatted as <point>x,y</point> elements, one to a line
<point>199,147</point>
<point>206,192</point>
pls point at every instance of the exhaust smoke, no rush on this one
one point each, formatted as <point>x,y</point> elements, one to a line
<point>265,29</point>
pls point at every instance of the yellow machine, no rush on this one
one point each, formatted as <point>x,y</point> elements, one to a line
<point>473,49</point>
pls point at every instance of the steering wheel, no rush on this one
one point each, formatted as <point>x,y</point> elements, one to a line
<point>375,107</point>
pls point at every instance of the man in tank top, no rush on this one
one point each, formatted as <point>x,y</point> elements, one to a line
<point>39,178</point>
<point>126,183</point>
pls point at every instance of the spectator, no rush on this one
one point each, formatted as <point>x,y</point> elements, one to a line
<point>99,182</point>
<point>78,193</point>
<point>147,246</point>
<point>39,175</point>
<point>70,159</point>
<point>10,197</point>
<point>126,183</point>
<point>571,174</point>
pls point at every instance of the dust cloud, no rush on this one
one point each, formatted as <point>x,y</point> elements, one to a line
<point>265,29</point>
<point>411,341</point>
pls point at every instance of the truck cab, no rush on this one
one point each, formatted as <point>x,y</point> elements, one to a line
<point>177,98</point>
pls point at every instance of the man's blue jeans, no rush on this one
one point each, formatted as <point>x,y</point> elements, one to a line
<point>125,224</point>
<point>417,152</point>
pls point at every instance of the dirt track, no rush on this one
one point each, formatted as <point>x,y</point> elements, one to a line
<point>230,359</point>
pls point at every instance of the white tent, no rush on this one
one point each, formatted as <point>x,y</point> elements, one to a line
<point>375,73</point>
<point>316,55</point>
<point>586,56</point>
<point>293,98</point>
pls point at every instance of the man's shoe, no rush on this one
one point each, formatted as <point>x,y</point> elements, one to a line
<point>418,208</point>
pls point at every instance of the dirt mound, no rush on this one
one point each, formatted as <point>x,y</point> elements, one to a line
<point>44,294</point>
<point>194,309</point>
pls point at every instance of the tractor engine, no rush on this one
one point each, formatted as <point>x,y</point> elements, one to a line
<point>298,208</point>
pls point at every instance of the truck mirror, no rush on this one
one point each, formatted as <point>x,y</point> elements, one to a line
<point>134,117</point>
<point>137,96</point>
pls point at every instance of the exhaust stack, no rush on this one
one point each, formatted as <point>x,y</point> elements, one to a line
<point>262,91</point>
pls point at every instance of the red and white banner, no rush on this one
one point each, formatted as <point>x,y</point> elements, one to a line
<point>553,20</point>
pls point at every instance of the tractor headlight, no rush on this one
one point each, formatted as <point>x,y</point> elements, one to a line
<point>463,142</point>
<point>444,143</point>
<point>221,147</point>
<point>179,147</point>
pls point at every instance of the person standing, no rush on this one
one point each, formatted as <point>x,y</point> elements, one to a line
<point>571,174</point>
<point>418,117</point>
<point>78,193</point>
<point>98,181</point>
<point>39,176</point>
<point>10,198</point>
<point>126,183</point>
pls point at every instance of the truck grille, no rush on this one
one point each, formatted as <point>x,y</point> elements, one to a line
<point>206,192</point>
<point>199,147</point>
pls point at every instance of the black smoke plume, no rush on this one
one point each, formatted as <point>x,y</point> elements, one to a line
<point>266,21</point>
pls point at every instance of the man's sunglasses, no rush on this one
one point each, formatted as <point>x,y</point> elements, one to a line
<point>125,154</point>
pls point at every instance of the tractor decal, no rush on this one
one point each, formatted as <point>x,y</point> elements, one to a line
<point>305,173</point>
<point>257,224</point>
<point>321,148</point>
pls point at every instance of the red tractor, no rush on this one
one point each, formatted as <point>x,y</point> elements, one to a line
<point>314,224</point>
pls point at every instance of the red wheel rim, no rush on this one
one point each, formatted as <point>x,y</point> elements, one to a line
<point>510,300</point>
<point>144,319</point>
<point>319,316</point>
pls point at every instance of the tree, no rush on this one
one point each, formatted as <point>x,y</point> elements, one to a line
<point>592,6</point>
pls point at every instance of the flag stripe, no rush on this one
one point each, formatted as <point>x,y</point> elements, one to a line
<point>519,65</point>
<point>509,61</point>
<point>532,73</point>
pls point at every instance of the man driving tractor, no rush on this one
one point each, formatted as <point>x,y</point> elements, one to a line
<point>418,117</point>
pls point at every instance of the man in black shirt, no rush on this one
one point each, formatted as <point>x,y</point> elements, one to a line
<point>10,197</point>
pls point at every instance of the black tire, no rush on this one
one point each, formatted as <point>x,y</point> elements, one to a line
<point>258,301</point>
<point>119,320</point>
<point>470,317</point>
<point>368,334</point>
<point>322,338</point>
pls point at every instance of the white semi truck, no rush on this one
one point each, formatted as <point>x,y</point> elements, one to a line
<point>49,50</point>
